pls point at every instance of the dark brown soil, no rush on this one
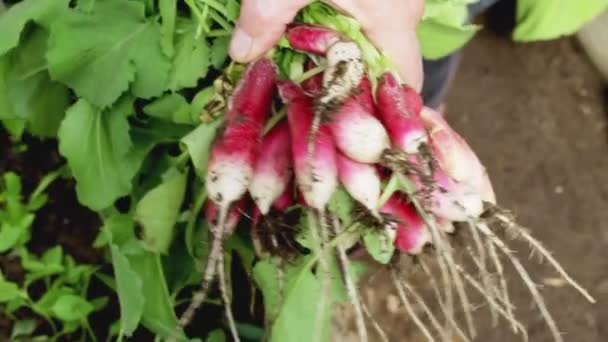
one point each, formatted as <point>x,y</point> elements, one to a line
<point>536,115</point>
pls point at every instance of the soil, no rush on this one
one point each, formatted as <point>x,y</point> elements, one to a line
<point>536,115</point>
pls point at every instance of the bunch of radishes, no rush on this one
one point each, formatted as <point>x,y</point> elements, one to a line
<point>344,127</point>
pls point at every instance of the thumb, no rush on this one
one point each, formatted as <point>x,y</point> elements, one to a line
<point>260,26</point>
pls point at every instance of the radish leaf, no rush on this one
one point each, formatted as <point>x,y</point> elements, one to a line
<point>99,54</point>
<point>96,144</point>
<point>158,210</point>
<point>191,60</point>
<point>29,92</point>
<point>14,20</point>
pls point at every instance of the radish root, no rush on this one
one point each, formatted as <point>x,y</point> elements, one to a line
<point>408,306</point>
<point>489,298</point>
<point>538,299</point>
<point>504,290</point>
<point>226,298</point>
<point>516,231</point>
<point>350,286</point>
<point>437,293</point>
<point>375,323</point>
<point>319,233</point>
<point>210,270</point>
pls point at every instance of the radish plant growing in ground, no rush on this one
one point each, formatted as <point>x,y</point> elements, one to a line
<point>287,165</point>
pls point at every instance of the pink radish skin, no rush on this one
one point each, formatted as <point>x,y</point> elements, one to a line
<point>311,38</point>
<point>454,201</point>
<point>411,233</point>
<point>361,181</point>
<point>398,113</point>
<point>412,99</point>
<point>273,168</point>
<point>455,156</point>
<point>313,86</point>
<point>234,151</point>
<point>284,201</point>
<point>357,132</point>
<point>317,177</point>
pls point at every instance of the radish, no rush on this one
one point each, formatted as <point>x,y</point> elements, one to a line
<point>234,152</point>
<point>273,168</point>
<point>344,60</point>
<point>317,176</point>
<point>357,132</point>
<point>411,233</point>
<point>311,39</point>
<point>231,163</point>
<point>455,156</point>
<point>452,200</point>
<point>361,181</point>
<point>313,86</point>
<point>284,201</point>
<point>344,72</point>
<point>397,110</point>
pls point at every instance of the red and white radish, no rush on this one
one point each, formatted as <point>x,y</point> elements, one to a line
<point>361,181</point>
<point>317,176</point>
<point>452,200</point>
<point>231,163</point>
<point>411,232</point>
<point>272,170</point>
<point>455,156</point>
<point>234,151</point>
<point>357,132</point>
<point>397,109</point>
<point>311,39</point>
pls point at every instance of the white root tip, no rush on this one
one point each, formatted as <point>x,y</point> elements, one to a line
<point>227,180</point>
<point>264,191</point>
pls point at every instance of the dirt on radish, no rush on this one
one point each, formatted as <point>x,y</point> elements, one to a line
<point>547,155</point>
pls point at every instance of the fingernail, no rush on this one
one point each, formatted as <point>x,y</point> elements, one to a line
<point>240,45</point>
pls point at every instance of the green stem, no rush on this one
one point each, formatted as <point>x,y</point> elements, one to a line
<point>218,7</point>
<point>220,20</point>
<point>181,160</point>
<point>196,208</point>
<point>218,33</point>
<point>275,119</point>
<point>46,181</point>
<point>310,73</point>
<point>33,72</point>
<point>89,330</point>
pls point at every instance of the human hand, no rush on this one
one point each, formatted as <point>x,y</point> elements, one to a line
<point>389,24</point>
